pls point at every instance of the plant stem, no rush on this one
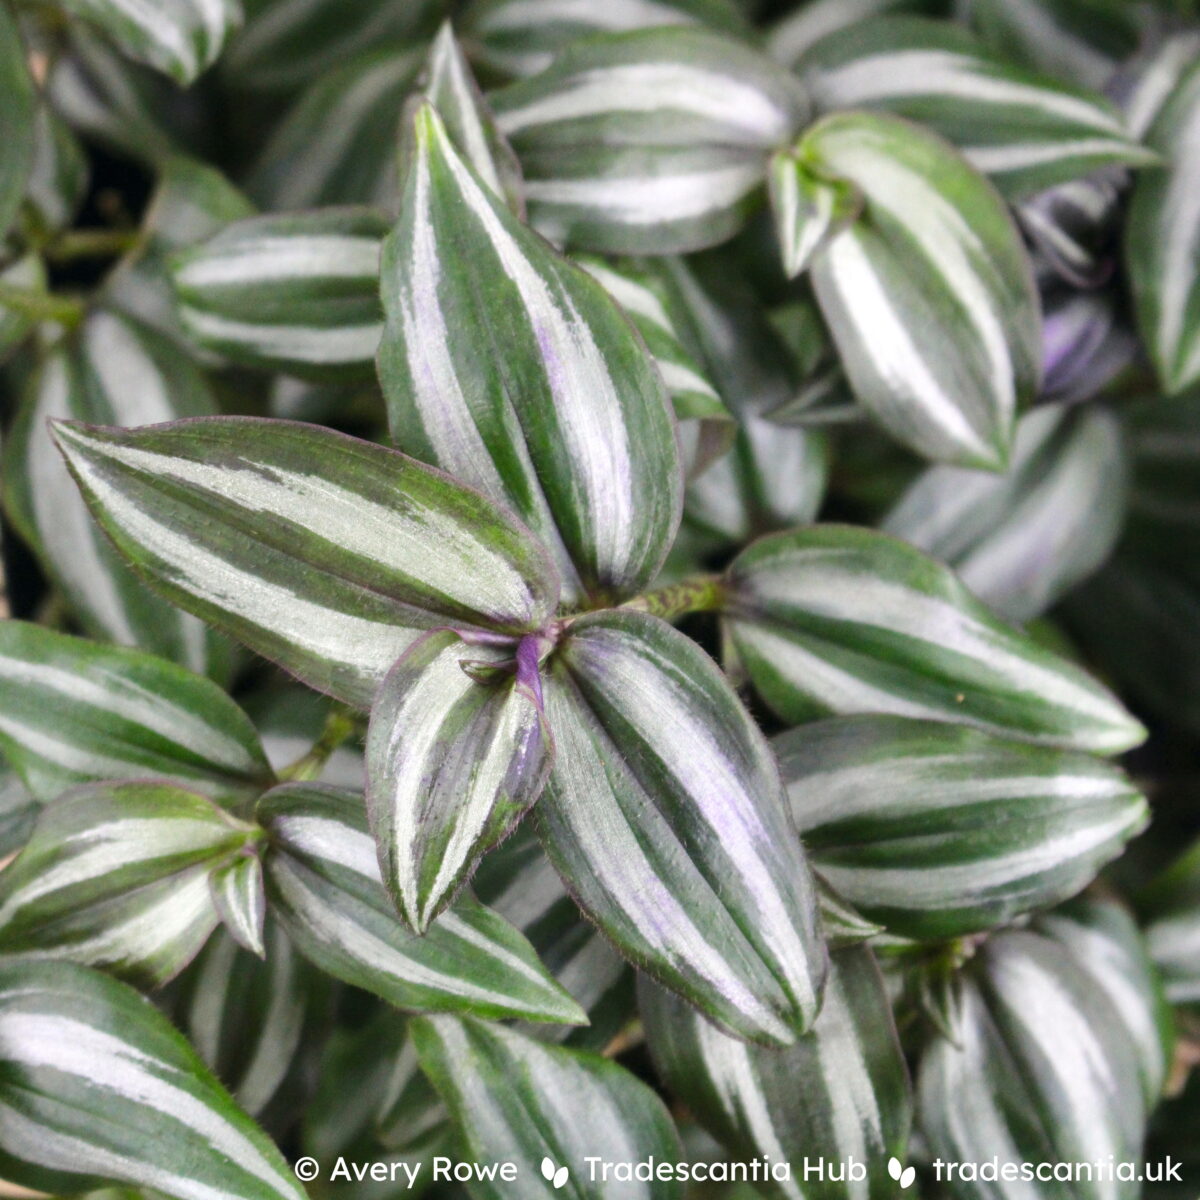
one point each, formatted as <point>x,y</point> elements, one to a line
<point>41,306</point>
<point>339,725</point>
<point>701,593</point>
<point>91,243</point>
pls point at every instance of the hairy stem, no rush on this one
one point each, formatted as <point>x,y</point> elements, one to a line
<point>701,593</point>
<point>339,725</point>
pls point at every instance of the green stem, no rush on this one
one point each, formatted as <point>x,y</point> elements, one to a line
<point>701,593</point>
<point>339,725</point>
<point>41,306</point>
<point>91,243</point>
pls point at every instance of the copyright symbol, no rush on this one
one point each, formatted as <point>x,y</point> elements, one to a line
<point>306,1169</point>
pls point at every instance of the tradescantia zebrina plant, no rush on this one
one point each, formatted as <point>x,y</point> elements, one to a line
<point>596,597</point>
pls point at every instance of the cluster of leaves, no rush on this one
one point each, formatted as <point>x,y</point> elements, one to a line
<point>387,489</point>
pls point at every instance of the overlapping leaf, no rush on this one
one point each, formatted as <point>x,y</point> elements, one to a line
<point>568,424</point>
<point>928,295</point>
<point>664,814</point>
<point>179,37</point>
<point>114,371</point>
<point>240,900</point>
<point>1163,240</point>
<point>515,38</point>
<point>27,273</point>
<point>1072,227</point>
<point>296,293</point>
<point>1087,344</point>
<point>1173,930</point>
<point>323,883</point>
<point>58,175</point>
<point>328,554</point>
<point>836,619</point>
<point>938,831</point>
<point>1035,1067</point>
<point>97,1086</point>
<point>117,875</point>
<point>1025,131</point>
<point>454,760</point>
<point>18,811</point>
<point>799,31</point>
<point>1022,540</point>
<point>73,711</point>
<point>521,1101</point>
<point>19,99</point>
<point>841,1093</point>
<point>654,141</point>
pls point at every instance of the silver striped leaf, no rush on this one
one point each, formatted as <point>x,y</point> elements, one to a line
<point>18,96</point>
<point>1079,41</point>
<point>99,1087</point>
<point>1022,540</point>
<point>650,142</point>
<point>1102,936</point>
<point>256,1021</point>
<point>929,295</point>
<point>59,172</point>
<point>840,1094</point>
<point>705,425</point>
<point>73,711</point>
<point>1087,344</point>
<point>241,903</point>
<point>1148,85</point>
<point>1026,132</point>
<point>569,426</point>
<point>337,142</point>
<point>838,619</point>
<point>938,831</point>
<point>519,882</point>
<point>297,293</point>
<point>545,1109</point>
<point>1172,910</point>
<point>807,209</point>
<point>324,885</point>
<point>799,31</point>
<point>518,38</point>
<point>286,44</point>
<point>112,371</point>
<point>1162,246</point>
<point>116,875</point>
<point>28,273</point>
<point>1035,1067</point>
<point>1074,226</point>
<point>181,38</point>
<point>457,752</point>
<point>327,554</point>
<point>191,202</point>
<point>450,87</point>
<point>665,816</point>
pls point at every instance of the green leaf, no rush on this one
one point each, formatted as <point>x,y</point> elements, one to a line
<point>837,619</point>
<point>1025,131</point>
<point>519,882</point>
<point>1103,938</point>
<point>1173,927</point>
<point>29,274</point>
<point>450,87</point>
<point>58,176</point>
<point>705,425</point>
<point>255,1019</point>
<point>97,1086</point>
<point>18,98</point>
<point>112,371</point>
<point>181,38</point>
<point>241,903</point>
<point>650,142</point>
<point>798,32</point>
<point>937,831</point>
<point>569,426</point>
<point>840,1094</point>
<point>929,294</point>
<point>73,711</point>
<point>454,761</point>
<point>328,554</point>
<point>1162,248</point>
<point>297,293</point>
<point>324,884</point>
<point>1088,345</point>
<point>337,143</point>
<point>116,875</point>
<point>1022,540</point>
<point>514,38</point>
<point>521,1101</point>
<point>1036,1067</point>
<point>18,811</point>
<point>808,210</point>
<point>664,814</point>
